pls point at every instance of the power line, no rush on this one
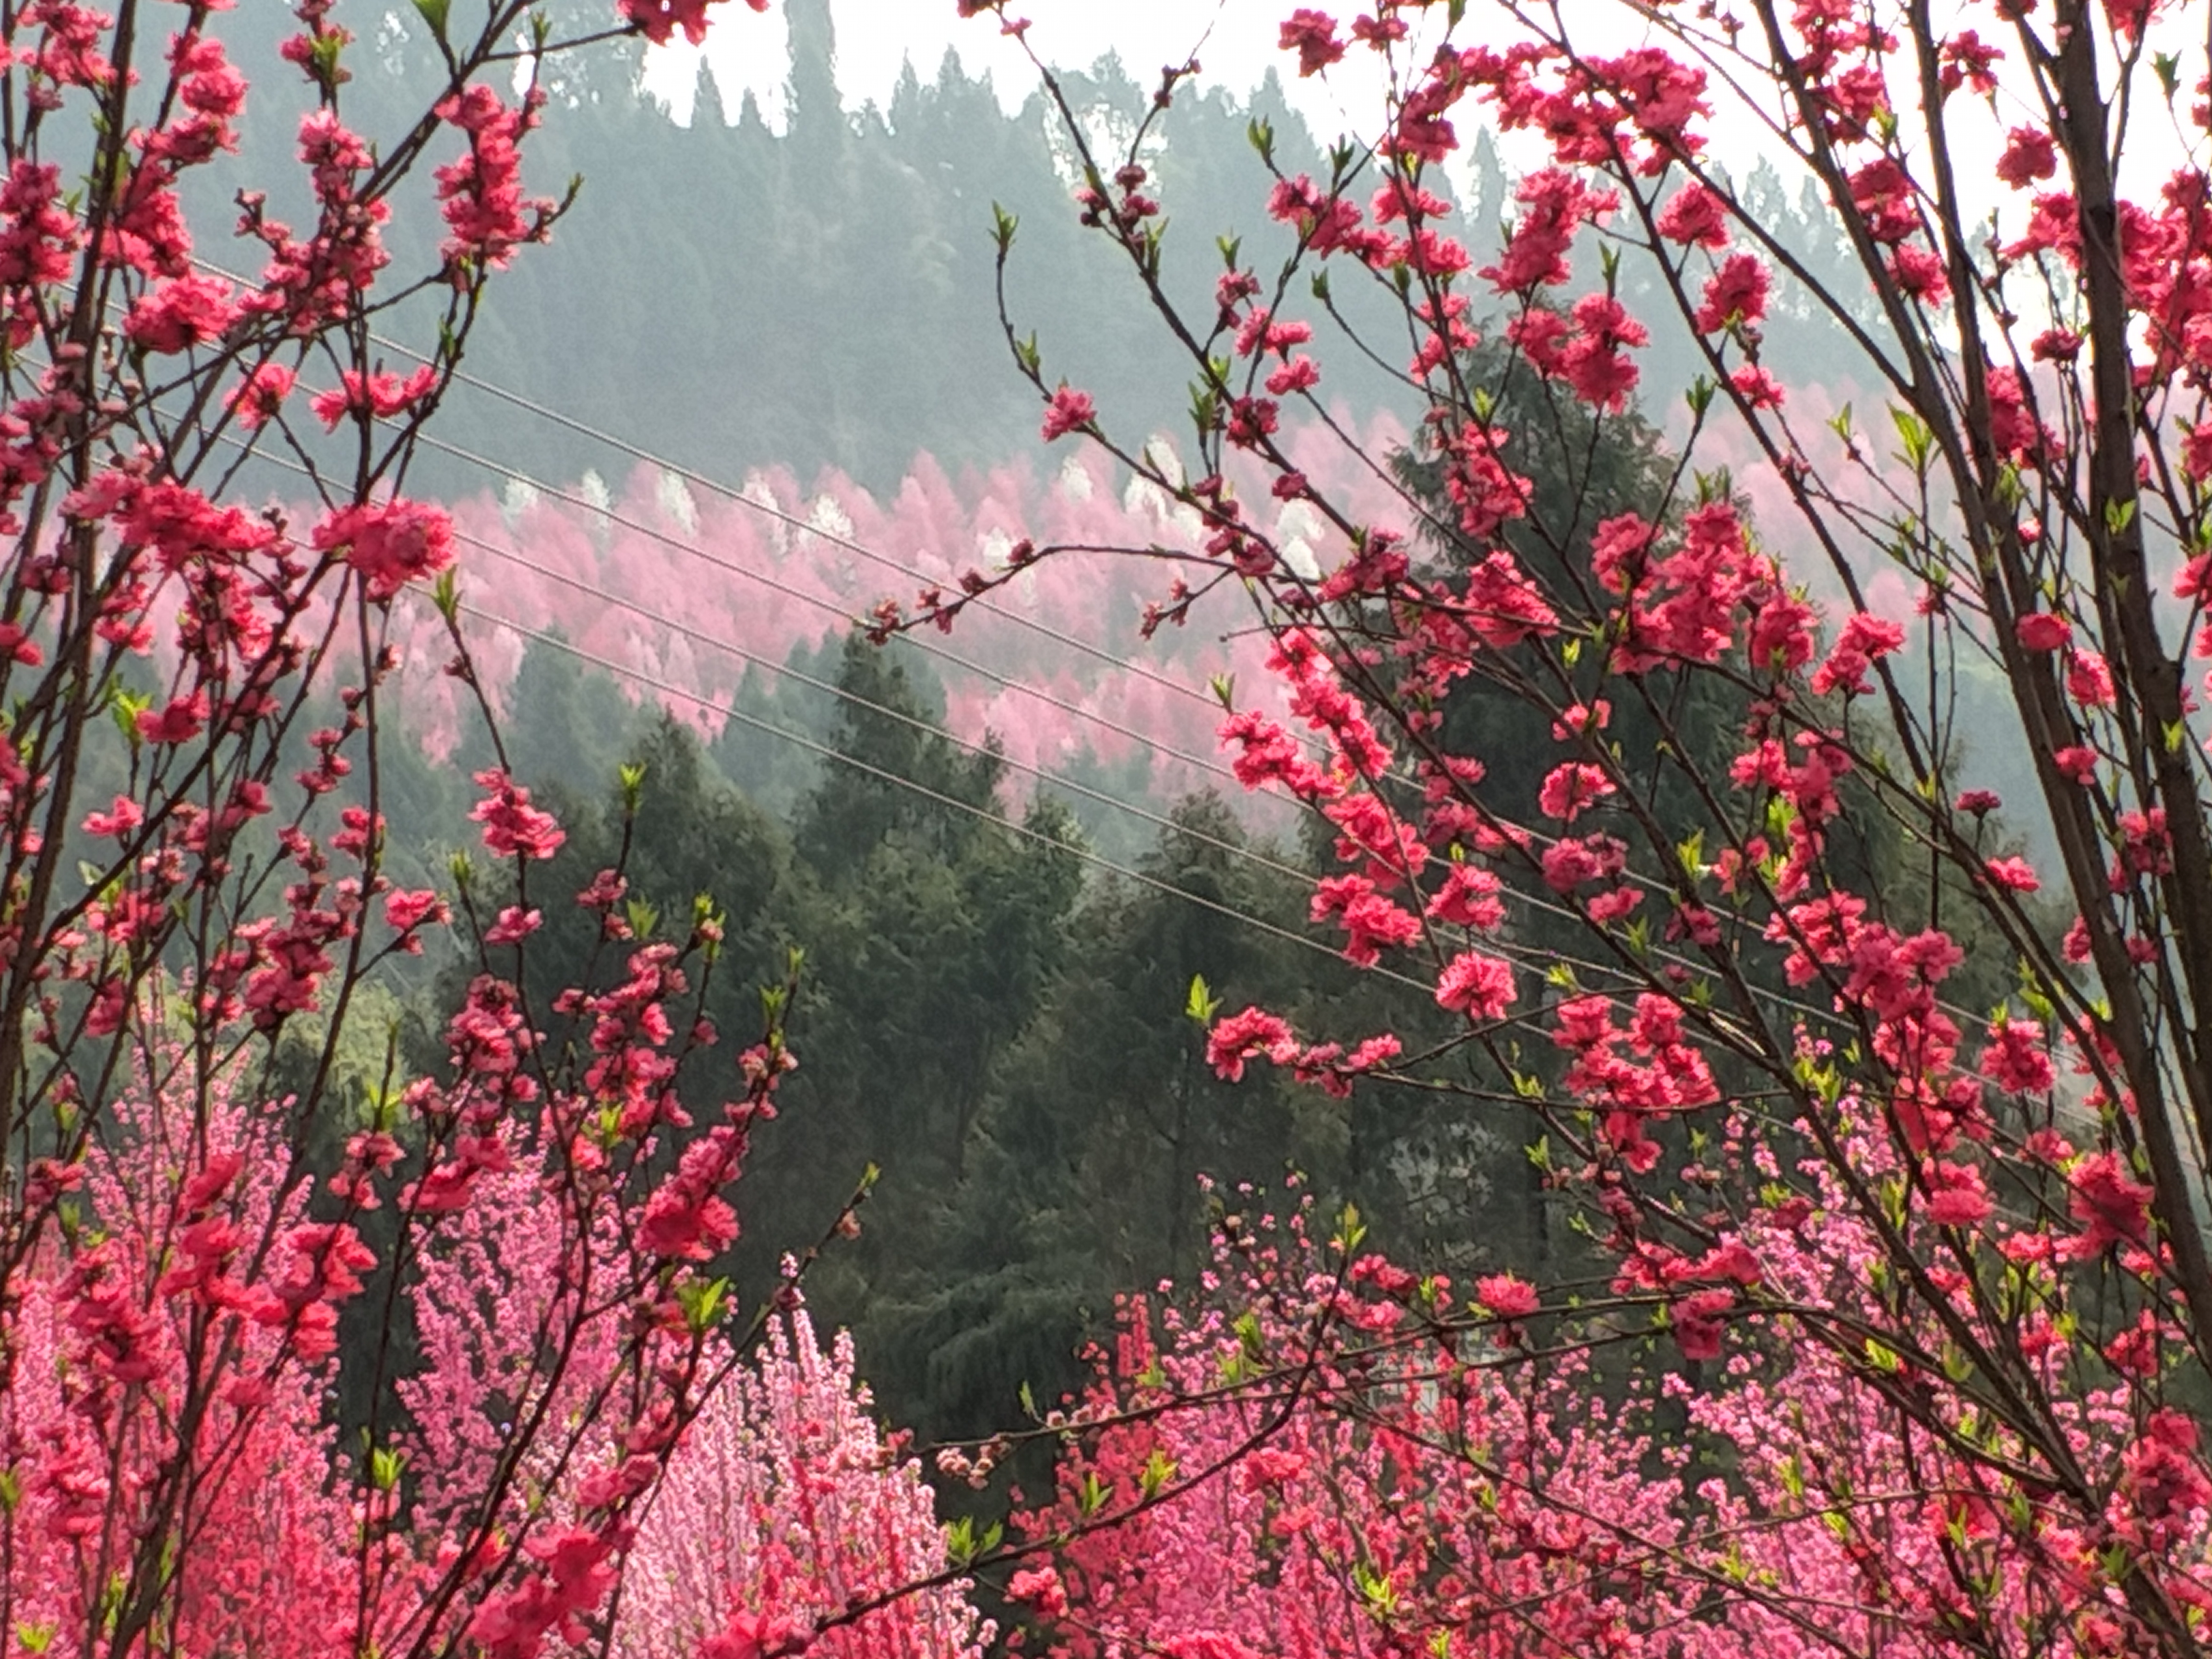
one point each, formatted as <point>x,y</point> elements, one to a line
<point>807,526</point>
<point>635,452</point>
<point>775,584</point>
<point>939,797</point>
<point>624,447</point>
<point>501,470</point>
<point>1532,957</point>
<point>715,642</point>
<point>1535,958</point>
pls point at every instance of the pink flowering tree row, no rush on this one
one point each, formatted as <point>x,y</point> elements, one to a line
<point>217,1219</point>
<point>1886,1144</point>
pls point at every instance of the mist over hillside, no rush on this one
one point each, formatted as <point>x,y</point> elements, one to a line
<point>731,297</point>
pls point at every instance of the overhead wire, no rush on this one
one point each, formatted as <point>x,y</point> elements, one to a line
<point>1533,901</point>
<point>1532,957</point>
<point>638,452</point>
<point>622,445</point>
<point>501,470</point>
<point>775,584</point>
<point>715,642</point>
<point>828,752</point>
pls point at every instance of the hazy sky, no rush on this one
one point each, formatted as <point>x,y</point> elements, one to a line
<point>1235,41</point>
<point>876,37</point>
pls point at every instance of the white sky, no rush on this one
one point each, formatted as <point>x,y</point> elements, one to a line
<point>875,38</point>
<point>1236,42</point>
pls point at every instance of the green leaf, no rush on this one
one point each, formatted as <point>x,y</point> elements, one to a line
<point>1692,852</point>
<point>1919,441</point>
<point>1792,1476</point>
<point>703,1302</point>
<point>1251,1343</point>
<point>384,1463</point>
<point>1159,1469</point>
<point>1382,1596</point>
<point>435,13</point>
<point>1350,1231</point>
<point>322,59</point>
<point>126,708</point>
<point>1203,1004</point>
<point>960,1541</point>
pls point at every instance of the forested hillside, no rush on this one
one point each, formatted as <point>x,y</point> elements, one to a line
<point>1475,920</point>
<point>996,1007</point>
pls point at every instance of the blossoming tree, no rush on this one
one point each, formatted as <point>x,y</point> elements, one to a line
<point>515,1251</point>
<point>1920,1294</point>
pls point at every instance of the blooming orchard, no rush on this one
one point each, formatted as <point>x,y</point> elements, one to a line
<point>216,1227</point>
<point>1925,1290</point>
<point>1881,1324</point>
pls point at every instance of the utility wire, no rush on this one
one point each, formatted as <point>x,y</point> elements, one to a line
<point>1535,958</point>
<point>694,550</point>
<point>981,602</point>
<point>898,780</point>
<point>715,642</point>
<point>499,470</point>
<point>623,446</point>
<point>920,642</point>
